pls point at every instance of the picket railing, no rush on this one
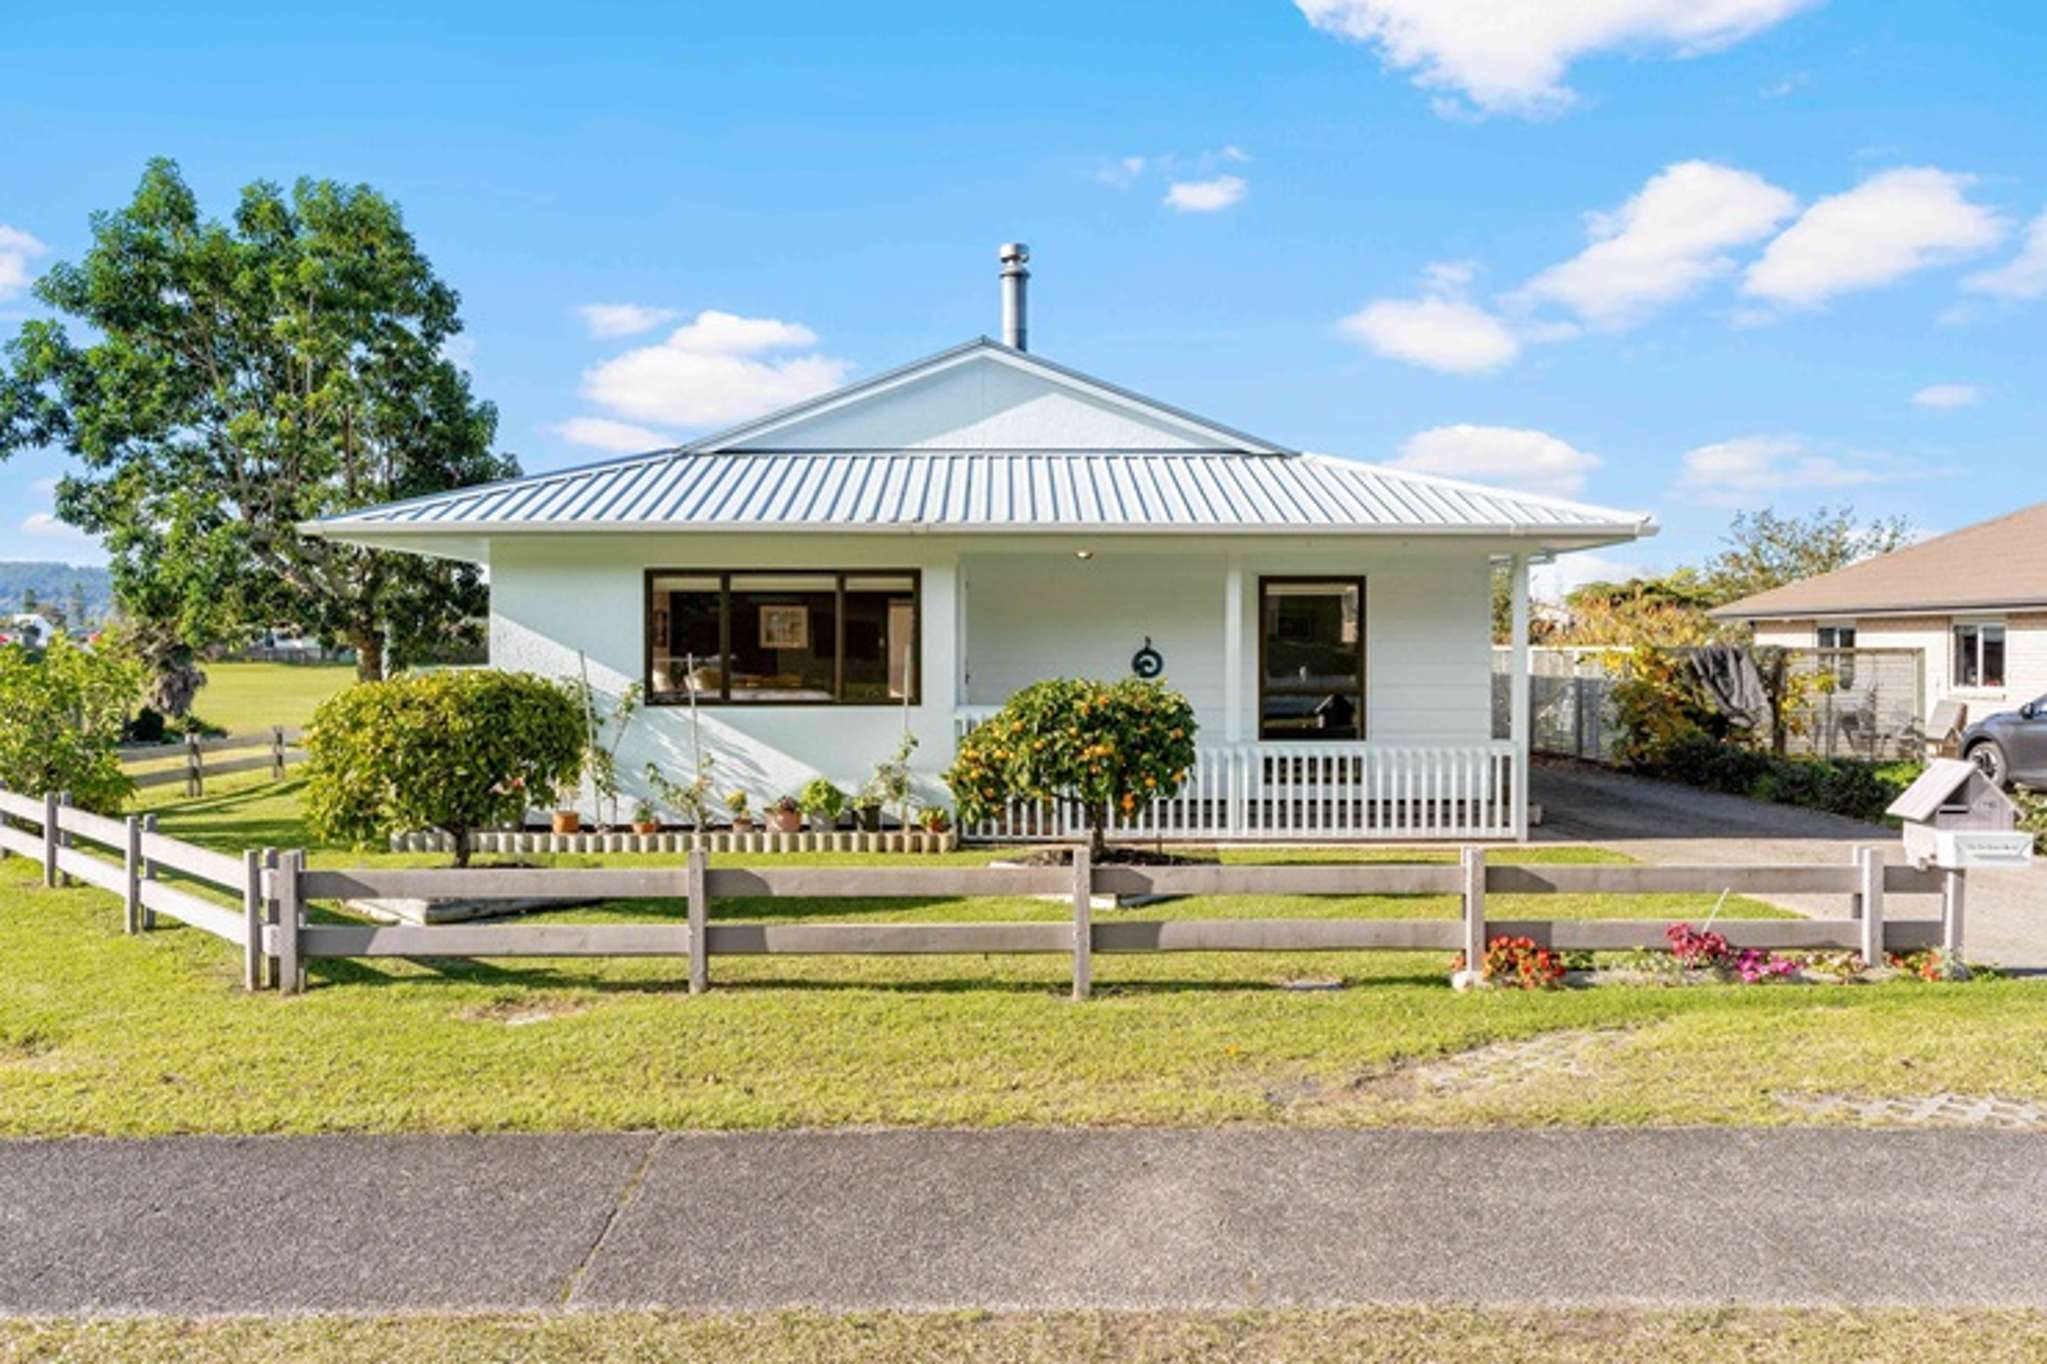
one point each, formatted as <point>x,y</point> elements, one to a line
<point>278,939</point>
<point>1301,792</point>
<point>280,747</point>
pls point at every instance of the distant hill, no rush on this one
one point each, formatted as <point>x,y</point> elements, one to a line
<point>55,585</point>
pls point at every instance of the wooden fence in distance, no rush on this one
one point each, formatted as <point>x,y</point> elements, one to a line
<point>278,941</point>
<point>279,747</point>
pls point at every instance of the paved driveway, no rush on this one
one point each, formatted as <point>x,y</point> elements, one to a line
<point>2005,923</point>
<point>1231,1217</point>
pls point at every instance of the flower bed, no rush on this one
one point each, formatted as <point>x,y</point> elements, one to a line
<point>1695,957</point>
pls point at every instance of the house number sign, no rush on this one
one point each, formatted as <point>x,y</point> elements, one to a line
<point>1147,662</point>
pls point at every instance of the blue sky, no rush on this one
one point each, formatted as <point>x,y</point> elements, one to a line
<point>1687,255</point>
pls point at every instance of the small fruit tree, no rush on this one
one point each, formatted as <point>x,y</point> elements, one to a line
<point>1103,748</point>
<point>455,751</point>
<point>61,711</point>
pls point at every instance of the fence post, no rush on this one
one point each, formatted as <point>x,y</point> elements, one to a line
<point>1872,906</point>
<point>1952,893</point>
<point>64,839</point>
<point>1473,860</point>
<point>269,916</point>
<point>252,919</point>
<point>1083,921</point>
<point>148,873</point>
<point>131,866</point>
<point>290,975</point>
<point>195,771</point>
<point>50,839</point>
<point>699,922</point>
<point>277,752</point>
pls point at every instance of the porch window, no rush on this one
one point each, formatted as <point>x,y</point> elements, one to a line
<point>1837,652</point>
<point>804,637</point>
<point>1311,658</point>
<point>1979,655</point>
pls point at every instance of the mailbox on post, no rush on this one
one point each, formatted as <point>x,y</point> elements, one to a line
<point>1956,818</point>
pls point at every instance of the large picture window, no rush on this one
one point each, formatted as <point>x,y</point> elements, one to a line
<point>1979,655</point>
<point>803,637</point>
<point>1311,658</point>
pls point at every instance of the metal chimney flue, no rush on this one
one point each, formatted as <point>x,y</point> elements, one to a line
<point>1016,279</point>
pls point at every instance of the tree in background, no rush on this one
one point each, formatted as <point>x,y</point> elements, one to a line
<point>247,376</point>
<point>1765,550</point>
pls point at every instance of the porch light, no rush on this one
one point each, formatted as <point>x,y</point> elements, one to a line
<point>1083,554</point>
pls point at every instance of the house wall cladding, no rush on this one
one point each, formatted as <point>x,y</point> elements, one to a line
<point>1933,638</point>
<point>1874,711</point>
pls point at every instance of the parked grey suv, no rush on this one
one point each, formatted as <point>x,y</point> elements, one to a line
<point>2011,746</point>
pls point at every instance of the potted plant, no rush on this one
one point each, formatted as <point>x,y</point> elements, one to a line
<point>867,810</point>
<point>890,784</point>
<point>785,816</point>
<point>643,818</point>
<point>742,817</point>
<point>823,802</point>
<point>934,819</point>
<point>567,819</point>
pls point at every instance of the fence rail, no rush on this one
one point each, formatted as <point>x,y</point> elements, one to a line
<point>280,747</point>
<point>272,928</point>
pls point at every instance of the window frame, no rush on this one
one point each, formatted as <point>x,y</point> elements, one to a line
<point>724,696</point>
<point>1837,658</point>
<point>1364,677</point>
<point>1978,624</point>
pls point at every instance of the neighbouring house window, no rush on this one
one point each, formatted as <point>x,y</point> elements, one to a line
<point>781,638</point>
<point>1311,658</point>
<point>1979,655</point>
<point>1837,652</point>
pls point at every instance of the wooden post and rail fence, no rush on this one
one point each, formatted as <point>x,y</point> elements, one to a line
<point>260,901</point>
<point>279,747</point>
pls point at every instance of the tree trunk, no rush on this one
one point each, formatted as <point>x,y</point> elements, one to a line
<point>368,643</point>
<point>461,837</point>
<point>1097,832</point>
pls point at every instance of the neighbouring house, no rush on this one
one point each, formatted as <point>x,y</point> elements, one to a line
<point>1972,603</point>
<point>31,629</point>
<point>912,549</point>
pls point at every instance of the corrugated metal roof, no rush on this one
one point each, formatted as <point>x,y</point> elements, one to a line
<point>986,491</point>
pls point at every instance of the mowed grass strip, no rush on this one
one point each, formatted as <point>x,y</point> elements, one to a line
<point>1813,1336</point>
<point>106,1034</point>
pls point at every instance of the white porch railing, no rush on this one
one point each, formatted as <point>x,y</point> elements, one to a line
<point>1304,792</point>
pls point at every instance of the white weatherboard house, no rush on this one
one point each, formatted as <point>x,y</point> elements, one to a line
<point>912,549</point>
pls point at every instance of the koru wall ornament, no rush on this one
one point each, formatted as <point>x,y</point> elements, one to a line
<point>1147,662</point>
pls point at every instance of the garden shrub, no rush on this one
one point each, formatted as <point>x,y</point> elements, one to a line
<point>62,710</point>
<point>1841,786</point>
<point>1103,748</point>
<point>454,751</point>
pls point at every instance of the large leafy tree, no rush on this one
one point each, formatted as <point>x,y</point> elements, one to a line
<point>235,379</point>
<point>1766,550</point>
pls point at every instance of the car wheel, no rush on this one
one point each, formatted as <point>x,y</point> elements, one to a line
<point>1990,760</point>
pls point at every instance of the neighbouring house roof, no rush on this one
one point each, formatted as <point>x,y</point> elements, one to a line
<point>1995,566</point>
<point>774,474</point>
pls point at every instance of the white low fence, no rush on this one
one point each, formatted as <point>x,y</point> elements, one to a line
<point>278,938</point>
<point>1302,793</point>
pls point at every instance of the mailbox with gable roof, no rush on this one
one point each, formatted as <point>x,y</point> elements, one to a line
<point>1956,818</point>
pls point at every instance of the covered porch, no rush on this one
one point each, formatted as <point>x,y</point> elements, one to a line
<point>1343,689</point>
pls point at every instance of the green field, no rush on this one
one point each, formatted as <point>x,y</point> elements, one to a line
<point>109,1034</point>
<point>245,697</point>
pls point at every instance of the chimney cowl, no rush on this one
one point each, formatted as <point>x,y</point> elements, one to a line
<point>1015,281</point>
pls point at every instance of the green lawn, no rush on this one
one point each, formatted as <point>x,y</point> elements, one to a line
<point>1817,1336</point>
<point>245,697</point>
<point>102,1033</point>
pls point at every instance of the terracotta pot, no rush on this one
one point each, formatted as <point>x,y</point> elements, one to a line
<point>786,821</point>
<point>650,827</point>
<point>742,824</point>
<point>567,822</point>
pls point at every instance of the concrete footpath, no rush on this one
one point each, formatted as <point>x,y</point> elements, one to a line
<point>1022,1219</point>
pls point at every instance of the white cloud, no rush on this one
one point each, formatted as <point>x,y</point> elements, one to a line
<point>1552,582</point>
<point>718,368</point>
<point>1750,468</point>
<point>1534,461</point>
<point>1510,56</point>
<point>602,433</point>
<point>2024,276</point>
<point>1440,330</point>
<point>1207,196</point>
<point>17,249</point>
<point>46,525</point>
<point>1948,395</point>
<point>1121,173</point>
<point>1882,230</point>
<point>1663,244</point>
<point>606,320</point>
